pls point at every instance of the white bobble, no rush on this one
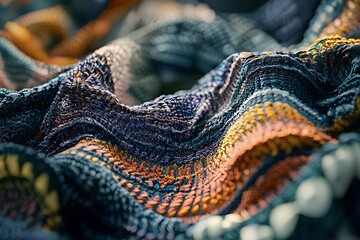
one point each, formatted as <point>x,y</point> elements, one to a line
<point>256,232</point>
<point>199,229</point>
<point>314,197</point>
<point>339,170</point>
<point>214,226</point>
<point>231,221</point>
<point>283,220</point>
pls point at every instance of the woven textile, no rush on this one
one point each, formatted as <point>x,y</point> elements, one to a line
<point>265,145</point>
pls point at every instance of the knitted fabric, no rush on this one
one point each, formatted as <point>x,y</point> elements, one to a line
<point>171,161</point>
<point>91,152</point>
<point>206,39</point>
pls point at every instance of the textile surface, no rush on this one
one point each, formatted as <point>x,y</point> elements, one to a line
<point>172,120</point>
